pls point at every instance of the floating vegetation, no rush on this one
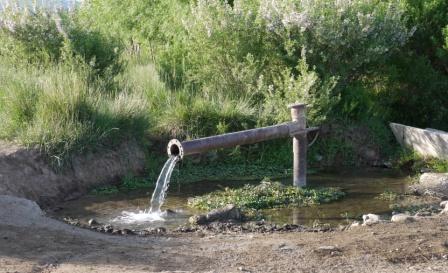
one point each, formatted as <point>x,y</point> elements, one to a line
<point>266,195</point>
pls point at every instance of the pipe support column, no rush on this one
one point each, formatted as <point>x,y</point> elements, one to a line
<point>300,145</point>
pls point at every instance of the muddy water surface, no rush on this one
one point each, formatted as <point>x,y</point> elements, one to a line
<point>362,188</point>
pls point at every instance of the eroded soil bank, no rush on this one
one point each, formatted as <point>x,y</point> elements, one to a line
<point>25,173</point>
<point>31,242</point>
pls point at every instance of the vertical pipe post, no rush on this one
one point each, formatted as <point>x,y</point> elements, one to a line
<point>300,145</point>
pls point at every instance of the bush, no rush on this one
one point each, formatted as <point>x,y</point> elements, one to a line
<point>46,38</point>
<point>430,17</point>
<point>257,48</point>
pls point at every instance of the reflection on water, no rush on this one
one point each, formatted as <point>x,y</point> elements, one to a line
<point>361,186</point>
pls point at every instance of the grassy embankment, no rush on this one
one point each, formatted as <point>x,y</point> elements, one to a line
<point>97,76</point>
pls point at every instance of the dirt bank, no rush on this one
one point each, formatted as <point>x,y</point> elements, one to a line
<point>25,173</point>
<point>31,242</point>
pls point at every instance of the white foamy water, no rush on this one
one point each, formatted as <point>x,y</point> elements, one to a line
<point>128,217</point>
<point>158,198</point>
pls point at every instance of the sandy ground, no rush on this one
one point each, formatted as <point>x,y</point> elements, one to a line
<point>31,242</point>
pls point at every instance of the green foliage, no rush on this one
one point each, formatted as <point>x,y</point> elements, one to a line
<point>430,17</point>
<point>413,86</point>
<point>107,190</point>
<point>388,195</point>
<point>266,195</point>
<point>30,36</point>
<point>113,70</point>
<point>413,162</point>
<point>58,111</point>
<point>47,38</point>
<point>196,116</point>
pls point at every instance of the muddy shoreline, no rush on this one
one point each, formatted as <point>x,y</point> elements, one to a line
<point>32,242</point>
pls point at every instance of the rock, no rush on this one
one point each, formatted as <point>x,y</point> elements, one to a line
<point>116,231</point>
<point>433,184</point>
<point>170,212</point>
<point>229,212</point>
<point>423,214</point>
<point>425,170</point>
<point>126,231</point>
<point>444,211</point>
<point>355,224</point>
<point>328,250</point>
<point>160,230</point>
<point>198,219</point>
<point>92,222</point>
<point>443,204</point>
<point>402,218</point>
<point>370,219</point>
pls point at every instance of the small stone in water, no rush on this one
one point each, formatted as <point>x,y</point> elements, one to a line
<point>126,231</point>
<point>92,222</point>
<point>170,212</point>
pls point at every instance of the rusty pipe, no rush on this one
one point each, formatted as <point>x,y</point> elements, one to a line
<point>197,146</point>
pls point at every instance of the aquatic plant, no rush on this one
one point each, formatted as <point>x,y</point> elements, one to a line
<point>268,194</point>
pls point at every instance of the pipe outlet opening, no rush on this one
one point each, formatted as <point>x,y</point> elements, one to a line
<point>175,148</point>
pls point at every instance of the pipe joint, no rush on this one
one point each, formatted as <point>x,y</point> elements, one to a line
<point>175,148</point>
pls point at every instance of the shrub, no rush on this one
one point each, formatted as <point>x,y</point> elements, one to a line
<point>430,17</point>
<point>45,38</point>
<point>258,48</point>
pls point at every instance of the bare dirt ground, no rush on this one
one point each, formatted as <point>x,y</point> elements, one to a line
<point>31,242</point>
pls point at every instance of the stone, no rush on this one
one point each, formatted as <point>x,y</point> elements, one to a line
<point>229,212</point>
<point>92,222</point>
<point>402,218</point>
<point>355,224</point>
<point>126,231</point>
<point>198,219</point>
<point>443,204</point>
<point>170,212</point>
<point>423,214</point>
<point>329,250</point>
<point>433,184</point>
<point>370,219</point>
<point>444,211</point>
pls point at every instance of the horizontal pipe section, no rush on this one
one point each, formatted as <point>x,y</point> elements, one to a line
<point>197,146</point>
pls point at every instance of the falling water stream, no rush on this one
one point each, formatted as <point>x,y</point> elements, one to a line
<point>154,212</point>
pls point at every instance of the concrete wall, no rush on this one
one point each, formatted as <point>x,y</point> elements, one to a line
<point>426,142</point>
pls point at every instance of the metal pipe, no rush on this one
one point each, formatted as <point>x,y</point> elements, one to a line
<point>197,146</point>
<point>295,129</point>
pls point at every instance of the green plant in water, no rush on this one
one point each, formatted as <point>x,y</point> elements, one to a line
<point>266,195</point>
<point>388,195</point>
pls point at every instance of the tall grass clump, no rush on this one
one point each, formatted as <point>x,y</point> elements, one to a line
<point>59,90</point>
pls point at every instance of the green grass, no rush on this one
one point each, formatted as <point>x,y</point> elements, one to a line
<point>266,195</point>
<point>60,112</point>
<point>411,161</point>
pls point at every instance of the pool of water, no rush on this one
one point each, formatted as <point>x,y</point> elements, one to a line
<point>362,188</point>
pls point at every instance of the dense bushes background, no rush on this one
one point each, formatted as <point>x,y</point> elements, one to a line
<point>112,70</point>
